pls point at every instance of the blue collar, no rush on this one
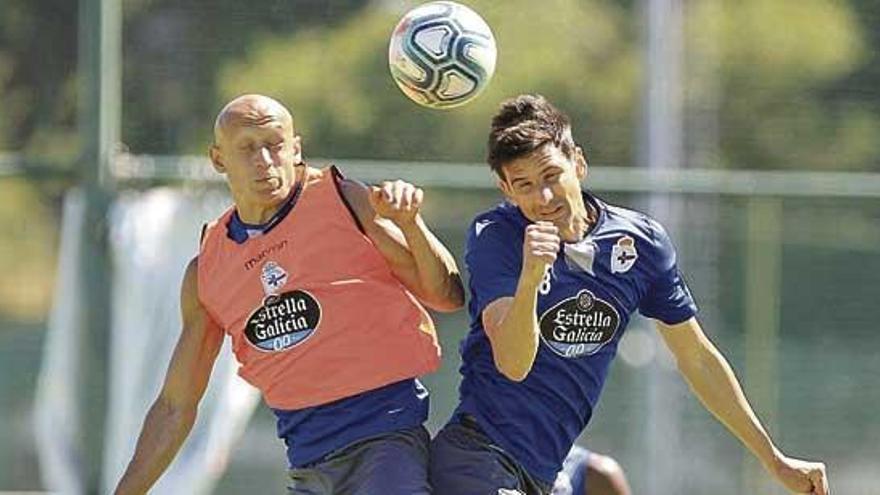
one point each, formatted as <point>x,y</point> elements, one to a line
<point>240,232</point>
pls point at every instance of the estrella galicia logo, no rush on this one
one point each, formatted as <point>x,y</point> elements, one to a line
<point>283,321</point>
<point>579,325</point>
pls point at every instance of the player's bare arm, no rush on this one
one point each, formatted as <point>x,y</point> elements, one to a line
<point>390,217</point>
<point>511,323</point>
<point>713,381</point>
<point>172,415</point>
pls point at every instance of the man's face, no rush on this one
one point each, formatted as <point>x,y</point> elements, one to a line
<point>545,185</point>
<point>258,157</point>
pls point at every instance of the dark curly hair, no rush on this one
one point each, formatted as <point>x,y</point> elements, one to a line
<point>524,124</point>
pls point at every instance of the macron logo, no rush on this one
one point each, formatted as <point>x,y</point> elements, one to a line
<point>482,224</point>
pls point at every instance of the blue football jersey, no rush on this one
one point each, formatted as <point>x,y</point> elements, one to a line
<point>625,263</point>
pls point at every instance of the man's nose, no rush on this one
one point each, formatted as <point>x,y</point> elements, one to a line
<point>264,157</point>
<point>546,194</point>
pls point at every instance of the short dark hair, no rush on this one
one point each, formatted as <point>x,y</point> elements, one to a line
<point>524,124</point>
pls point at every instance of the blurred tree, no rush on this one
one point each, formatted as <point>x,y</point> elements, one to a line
<point>779,60</point>
<point>37,60</point>
<point>172,50</point>
<point>798,80</point>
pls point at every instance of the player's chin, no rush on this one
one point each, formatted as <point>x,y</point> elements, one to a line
<point>272,195</point>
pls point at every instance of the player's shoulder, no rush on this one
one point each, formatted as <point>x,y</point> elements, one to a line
<point>628,218</point>
<point>623,227</point>
<point>355,193</point>
<point>633,222</point>
<point>189,286</point>
<point>500,221</point>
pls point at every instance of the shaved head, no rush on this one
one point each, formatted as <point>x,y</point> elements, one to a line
<point>256,149</point>
<point>251,110</point>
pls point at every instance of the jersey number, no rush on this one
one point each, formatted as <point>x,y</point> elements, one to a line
<point>544,288</point>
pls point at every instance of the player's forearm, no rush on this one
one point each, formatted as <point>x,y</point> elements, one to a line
<point>439,280</point>
<point>516,337</point>
<point>165,429</point>
<point>714,383</point>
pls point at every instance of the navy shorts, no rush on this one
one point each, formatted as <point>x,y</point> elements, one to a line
<point>394,463</point>
<point>464,461</point>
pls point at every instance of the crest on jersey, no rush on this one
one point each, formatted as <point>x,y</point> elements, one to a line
<point>273,278</point>
<point>623,255</point>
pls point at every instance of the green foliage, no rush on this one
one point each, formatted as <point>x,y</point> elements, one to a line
<point>337,81</point>
<point>775,60</point>
<point>787,84</point>
<point>37,58</point>
<point>778,59</point>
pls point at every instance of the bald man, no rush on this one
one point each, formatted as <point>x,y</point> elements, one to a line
<point>321,283</point>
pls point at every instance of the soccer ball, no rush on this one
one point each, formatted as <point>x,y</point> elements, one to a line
<point>442,54</point>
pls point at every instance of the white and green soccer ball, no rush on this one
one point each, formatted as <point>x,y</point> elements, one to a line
<point>442,54</point>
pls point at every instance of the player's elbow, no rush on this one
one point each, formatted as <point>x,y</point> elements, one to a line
<point>176,409</point>
<point>446,306</point>
<point>454,301</point>
<point>515,370</point>
<point>449,300</point>
<point>443,304</point>
<point>513,357</point>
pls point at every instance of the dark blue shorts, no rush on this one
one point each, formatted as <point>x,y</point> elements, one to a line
<point>464,461</point>
<point>393,463</point>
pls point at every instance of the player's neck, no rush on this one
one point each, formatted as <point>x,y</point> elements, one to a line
<point>582,219</point>
<point>258,213</point>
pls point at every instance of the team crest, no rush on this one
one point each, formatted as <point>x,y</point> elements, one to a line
<point>623,255</point>
<point>273,277</point>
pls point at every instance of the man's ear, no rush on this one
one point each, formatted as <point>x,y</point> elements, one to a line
<point>296,146</point>
<point>581,166</point>
<point>216,161</point>
<point>505,189</point>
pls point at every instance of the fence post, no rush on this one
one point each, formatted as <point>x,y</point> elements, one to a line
<point>762,287</point>
<point>99,121</point>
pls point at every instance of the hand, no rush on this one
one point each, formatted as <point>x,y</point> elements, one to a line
<point>801,476</point>
<point>540,245</point>
<point>397,201</point>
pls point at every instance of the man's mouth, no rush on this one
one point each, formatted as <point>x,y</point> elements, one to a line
<point>270,181</point>
<point>554,213</point>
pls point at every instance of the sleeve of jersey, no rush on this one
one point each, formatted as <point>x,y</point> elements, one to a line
<point>492,262</point>
<point>668,299</point>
